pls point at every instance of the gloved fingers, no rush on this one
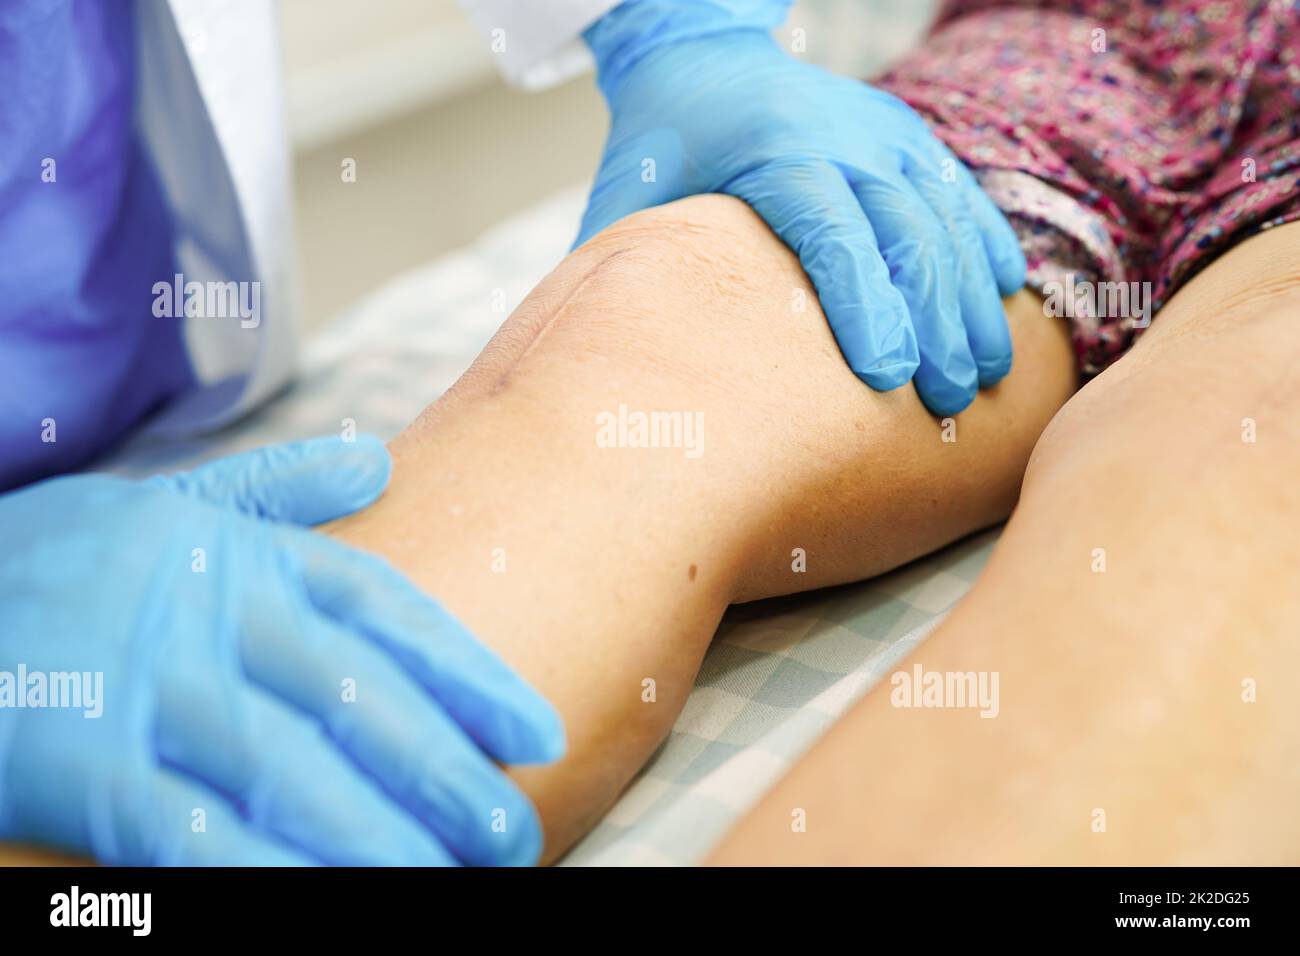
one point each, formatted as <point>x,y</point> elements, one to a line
<point>304,483</point>
<point>642,172</point>
<point>191,825</point>
<point>1001,244</point>
<point>477,812</point>
<point>811,207</point>
<point>394,730</point>
<point>490,702</point>
<point>923,265</point>
<point>982,312</point>
<point>286,778</point>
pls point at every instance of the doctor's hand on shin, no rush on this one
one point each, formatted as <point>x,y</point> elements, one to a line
<point>909,257</point>
<point>268,695</point>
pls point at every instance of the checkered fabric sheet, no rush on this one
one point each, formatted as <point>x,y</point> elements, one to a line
<point>779,672</point>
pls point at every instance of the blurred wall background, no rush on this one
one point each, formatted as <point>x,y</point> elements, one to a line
<point>443,150</point>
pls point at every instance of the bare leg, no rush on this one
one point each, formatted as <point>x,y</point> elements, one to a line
<point>1125,693</point>
<point>592,569</point>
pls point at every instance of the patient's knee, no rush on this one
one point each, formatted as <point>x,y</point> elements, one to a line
<point>664,276</point>
<point>711,245</point>
<point>697,288</point>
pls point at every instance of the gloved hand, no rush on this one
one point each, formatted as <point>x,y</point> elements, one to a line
<point>269,696</point>
<point>907,253</point>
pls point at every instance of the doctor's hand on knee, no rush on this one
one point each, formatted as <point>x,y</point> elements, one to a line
<point>909,257</point>
<point>196,677</point>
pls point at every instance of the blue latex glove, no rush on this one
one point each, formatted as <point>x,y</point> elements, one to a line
<point>907,253</point>
<point>224,689</point>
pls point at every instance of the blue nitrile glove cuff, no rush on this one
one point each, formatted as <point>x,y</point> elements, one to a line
<point>635,27</point>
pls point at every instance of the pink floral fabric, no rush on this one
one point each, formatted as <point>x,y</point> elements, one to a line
<point>1127,140</point>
